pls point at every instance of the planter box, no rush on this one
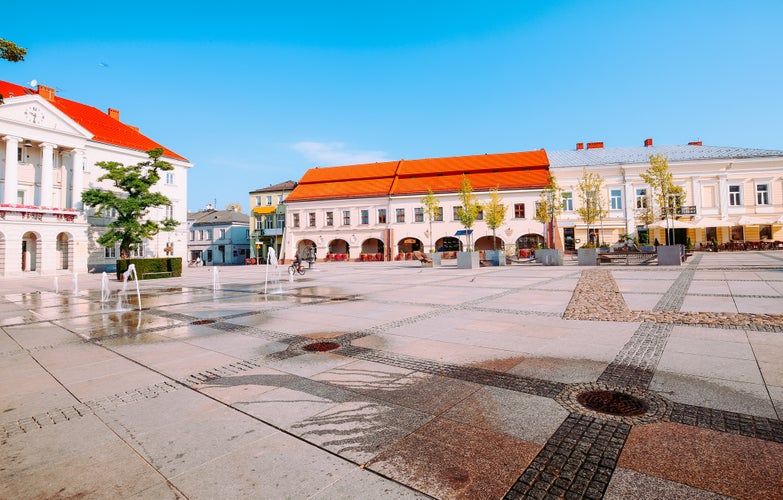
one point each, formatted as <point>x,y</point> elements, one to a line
<point>468,260</point>
<point>669,255</point>
<point>549,257</point>
<point>435,256</point>
<point>497,257</point>
<point>587,256</point>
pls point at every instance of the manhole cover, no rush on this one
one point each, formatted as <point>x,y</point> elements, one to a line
<point>203,322</point>
<point>321,346</point>
<point>613,403</point>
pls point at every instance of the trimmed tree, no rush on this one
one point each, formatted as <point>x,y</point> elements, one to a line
<point>130,228</point>
<point>11,51</point>
<point>468,210</point>
<point>549,207</point>
<point>667,195</point>
<point>589,191</point>
<point>431,205</point>
<point>495,213</point>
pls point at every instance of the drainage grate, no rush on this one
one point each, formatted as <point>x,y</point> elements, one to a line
<point>202,322</point>
<point>321,346</point>
<point>613,403</point>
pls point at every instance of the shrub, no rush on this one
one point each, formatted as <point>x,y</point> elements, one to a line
<point>171,265</point>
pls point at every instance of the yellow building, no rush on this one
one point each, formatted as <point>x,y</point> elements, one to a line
<point>267,218</point>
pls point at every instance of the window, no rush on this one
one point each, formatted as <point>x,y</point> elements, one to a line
<point>568,201</point>
<point>400,215</point>
<point>519,210</point>
<point>138,251</point>
<point>439,214</point>
<point>269,201</point>
<point>169,177</point>
<point>311,219</point>
<point>192,236</point>
<point>109,253</point>
<point>279,198</point>
<point>418,214</point>
<point>765,232</point>
<point>280,221</point>
<point>269,222</point>
<point>616,199</point>
<point>762,194</point>
<point>455,212</point>
<point>222,234</point>
<point>734,195</point>
<point>381,216</point>
<point>169,212</point>
<point>641,198</point>
<point>19,154</point>
<point>364,217</point>
<point>295,220</point>
<point>199,235</point>
<point>480,214</point>
<point>330,219</point>
<point>258,201</point>
<point>207,235</point>
<point>346,217</point>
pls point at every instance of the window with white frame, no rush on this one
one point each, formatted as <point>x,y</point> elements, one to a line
<point>169,177</point>
<point>616,199</point>
<point>641,198</point>
<point>279,198</point>
<point>311,219</point>
<point>269,201</point>
<point>364,217</point>
<point>519,210</point>
<point>400,215</point>
<point>330,219</point>
<point>192,236</point>
<point>381,216</point>
<point>294,220</point>
<point>138,251</point>
<point>280,221</point>
<point>455,212</point>
<point>169,212</point>
<point>346,217</point>
<point>762,194</point>
<point>258,201</point>
<point>208,235</point>
<point>438,214</point>
<point>735,195</point>
<point>109,253</point>
<point>222,234</point>
<point>568,201</point>
<point>418,214</point>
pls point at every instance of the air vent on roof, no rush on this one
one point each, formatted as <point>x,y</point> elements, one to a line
<point>580,145</point>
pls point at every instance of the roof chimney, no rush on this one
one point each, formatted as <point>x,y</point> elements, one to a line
<point>46,92</point>
<point>595,145</point>
<point>114,113</point>
<point>579,145</point>
<point>647,143</point>
<point>694,143</point>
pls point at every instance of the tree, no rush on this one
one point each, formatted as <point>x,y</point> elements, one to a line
<point>549,206</point>
<point>469,209</point>
<point>592,204</point>
<point>11,51</point>
<point>667,195</point>
<point>135,181</point>
<point>431,205</point>
<point>646,215</point>
<point>495,213</point>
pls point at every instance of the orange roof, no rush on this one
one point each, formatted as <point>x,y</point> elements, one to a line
<point>103,127</point>
<point>506,170</point>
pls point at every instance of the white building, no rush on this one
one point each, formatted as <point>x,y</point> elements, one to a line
<point>50,146</point>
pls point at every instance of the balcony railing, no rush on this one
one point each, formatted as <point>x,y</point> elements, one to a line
<point>36,213</point>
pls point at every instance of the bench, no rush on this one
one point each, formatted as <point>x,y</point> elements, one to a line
<point>626,257</point>
<point>159,274</point>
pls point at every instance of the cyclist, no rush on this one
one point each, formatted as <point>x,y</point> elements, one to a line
<point>298,262</point>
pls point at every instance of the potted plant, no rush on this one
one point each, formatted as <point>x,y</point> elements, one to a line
<point>548,208</point>
<point>669,197</point>
<point>468,211</point>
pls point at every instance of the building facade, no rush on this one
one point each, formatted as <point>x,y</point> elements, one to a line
<point>729,194</point>
<point>375,210</point>
<point>218,237</point>
<point>50,149</point>
<point>267,219</point>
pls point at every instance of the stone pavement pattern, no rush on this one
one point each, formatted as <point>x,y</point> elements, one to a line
<point>445,383</point>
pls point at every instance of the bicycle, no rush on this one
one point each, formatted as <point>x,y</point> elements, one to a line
<point>293,269</point>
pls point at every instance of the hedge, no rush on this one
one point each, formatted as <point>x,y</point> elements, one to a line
<point>171,265</point>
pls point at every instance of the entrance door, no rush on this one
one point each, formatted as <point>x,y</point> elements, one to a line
<point>24,255</point>
<point>568,236</point>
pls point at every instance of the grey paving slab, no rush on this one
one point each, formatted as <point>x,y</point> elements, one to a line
<point>628,483</point>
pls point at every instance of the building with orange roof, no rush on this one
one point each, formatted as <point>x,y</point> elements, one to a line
<point>374,211</point>
<point>50,149</point>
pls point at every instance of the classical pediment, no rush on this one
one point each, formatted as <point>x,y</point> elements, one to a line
<point>34,117</point>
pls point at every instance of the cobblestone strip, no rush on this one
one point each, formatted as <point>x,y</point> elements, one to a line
<point>596,297</point>
<point>480,376</point>
<point>674,297</point>
<point>634,365</point>
<point>60,415</point>
<point>576,462</point>
<point>727,421</point>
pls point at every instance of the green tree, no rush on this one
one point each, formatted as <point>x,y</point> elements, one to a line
<point>549,207</point>
<point>646,216</point>
<point>667,195</point>
<point>11,51</point>
<point>495,213</point>
<point>592,204</point>
<point>135,182</point>
<point>469,209</point>
<point>431,205</point>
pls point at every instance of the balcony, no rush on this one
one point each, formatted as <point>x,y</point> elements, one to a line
<point>32,213</point>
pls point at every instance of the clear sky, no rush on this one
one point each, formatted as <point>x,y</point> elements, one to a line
<point>255,93</point>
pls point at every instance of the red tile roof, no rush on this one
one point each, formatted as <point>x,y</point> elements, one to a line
<point>103,127</point>
<point>526,170</point>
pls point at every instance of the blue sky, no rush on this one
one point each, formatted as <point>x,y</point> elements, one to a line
<point>255,93</point>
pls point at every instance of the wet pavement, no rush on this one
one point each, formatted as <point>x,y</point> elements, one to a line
<point>379,380</point>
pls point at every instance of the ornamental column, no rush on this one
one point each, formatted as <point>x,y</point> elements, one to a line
<point>47,148</point>
<point>11,168</point>
<point>77,168</point>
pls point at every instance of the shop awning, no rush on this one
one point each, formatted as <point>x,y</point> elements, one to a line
<point>463,232</point>
<point>263,210</point>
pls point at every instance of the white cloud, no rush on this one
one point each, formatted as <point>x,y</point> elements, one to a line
<point>327,154</point>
